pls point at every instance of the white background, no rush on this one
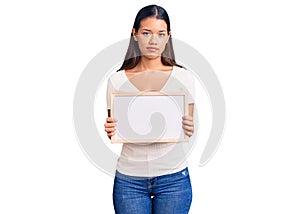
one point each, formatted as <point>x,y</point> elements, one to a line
<point>253,47</point>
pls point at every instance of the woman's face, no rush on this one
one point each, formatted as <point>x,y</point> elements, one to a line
<point>152,37</point>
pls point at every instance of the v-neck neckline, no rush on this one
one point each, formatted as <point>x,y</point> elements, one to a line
<point>169,77</point>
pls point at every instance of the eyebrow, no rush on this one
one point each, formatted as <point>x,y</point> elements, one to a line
<point>150,30</point>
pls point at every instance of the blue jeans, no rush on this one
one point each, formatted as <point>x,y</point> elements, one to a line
<point>164,194</point>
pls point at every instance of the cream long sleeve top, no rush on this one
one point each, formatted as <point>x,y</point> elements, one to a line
<point>153,159</point>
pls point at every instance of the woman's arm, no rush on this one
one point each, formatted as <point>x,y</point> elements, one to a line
<point>188,122</point>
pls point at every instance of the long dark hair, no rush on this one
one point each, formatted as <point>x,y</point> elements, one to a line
<point>133,55</point>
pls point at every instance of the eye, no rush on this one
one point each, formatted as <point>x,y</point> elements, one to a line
<point>161,35</point>
<point>146,33</point>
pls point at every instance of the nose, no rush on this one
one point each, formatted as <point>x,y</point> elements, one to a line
<point>153,40</point>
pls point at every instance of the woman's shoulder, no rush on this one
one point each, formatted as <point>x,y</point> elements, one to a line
<point>182,71</point>
<point>117,78</point>
<point>183,74</point>
<point>117,75</point>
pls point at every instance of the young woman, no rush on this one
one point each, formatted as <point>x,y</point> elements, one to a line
<point>151,178</point>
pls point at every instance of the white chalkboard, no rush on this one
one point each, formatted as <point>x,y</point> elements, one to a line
<point>149,117</point>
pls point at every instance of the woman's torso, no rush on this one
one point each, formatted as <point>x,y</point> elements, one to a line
<point>151,159</point>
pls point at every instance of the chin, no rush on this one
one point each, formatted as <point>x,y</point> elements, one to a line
<point>151,56</point>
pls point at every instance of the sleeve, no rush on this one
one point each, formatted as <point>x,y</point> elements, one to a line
<point>108,93</point>
<point>190,88</point>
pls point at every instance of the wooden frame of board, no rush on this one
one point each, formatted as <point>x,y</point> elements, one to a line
<point>153,98</point>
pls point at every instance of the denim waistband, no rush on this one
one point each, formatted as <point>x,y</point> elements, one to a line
<point>121,175</point>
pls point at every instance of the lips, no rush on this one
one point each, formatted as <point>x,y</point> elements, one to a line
<point>152,49</point>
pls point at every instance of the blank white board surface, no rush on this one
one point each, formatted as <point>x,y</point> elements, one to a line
<point>149,117</point>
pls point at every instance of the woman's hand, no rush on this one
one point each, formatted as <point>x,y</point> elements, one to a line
<point>188,125</point>
<point>110,126</point>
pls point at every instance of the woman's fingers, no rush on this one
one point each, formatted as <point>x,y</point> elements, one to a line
<point>111,120</point>
<point>189,134</point>
<point>188,128</point>
<point>187,117</point>
<point>110,129</point>
<point>110,134</point>
<point>188,125</point>
<point>188,122</point>
<point>110,126</point>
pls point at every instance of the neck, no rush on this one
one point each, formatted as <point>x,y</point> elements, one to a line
<point>148,64</point>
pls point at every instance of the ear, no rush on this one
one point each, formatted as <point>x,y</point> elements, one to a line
<point>134,34</point>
